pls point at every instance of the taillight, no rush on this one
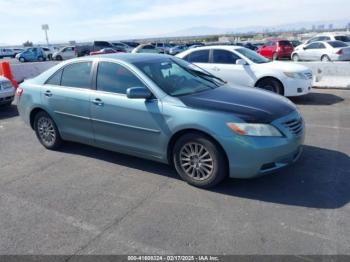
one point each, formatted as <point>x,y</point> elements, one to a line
<point>19,91</point>
<point>339,52</point>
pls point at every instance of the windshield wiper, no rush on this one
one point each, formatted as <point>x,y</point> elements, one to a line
<point>208,75</point>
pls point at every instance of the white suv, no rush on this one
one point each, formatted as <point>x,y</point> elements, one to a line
<point>6,52</point>
<point>241,66</point>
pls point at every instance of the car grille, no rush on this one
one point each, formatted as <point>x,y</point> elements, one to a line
<point>295,126</point>
<point>308,75</point>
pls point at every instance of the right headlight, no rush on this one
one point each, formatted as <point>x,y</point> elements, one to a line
<point>248,129</point>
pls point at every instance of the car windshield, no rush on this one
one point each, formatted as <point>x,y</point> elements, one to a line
<point>253,56</point>
<point>337,44</point>
<point>177,77</point>
<point>284,43</point>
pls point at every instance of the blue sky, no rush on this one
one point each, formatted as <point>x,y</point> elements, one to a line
<point>84,20</point>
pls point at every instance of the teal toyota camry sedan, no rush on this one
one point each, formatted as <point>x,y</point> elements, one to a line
<point>164,109</point>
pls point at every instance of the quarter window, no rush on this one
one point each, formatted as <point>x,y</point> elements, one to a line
<point>55,79</point>
<point>112,77</point>
<point>77,75</point>
<point>224,57</point>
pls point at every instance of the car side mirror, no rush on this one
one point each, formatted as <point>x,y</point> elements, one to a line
<point>241,62</point>
<point>138,93</point>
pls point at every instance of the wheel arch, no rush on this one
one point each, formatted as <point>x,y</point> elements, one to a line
<point>182,132</point>
<point>270,77</point>
<point>32,114</point>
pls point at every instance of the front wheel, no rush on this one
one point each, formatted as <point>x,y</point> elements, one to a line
<point>46,131</point>
<point>272,85</point>
<point>22,60</point>
<point>199,161</point>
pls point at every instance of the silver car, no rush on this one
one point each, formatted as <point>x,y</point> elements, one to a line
<point>7,91</point>
<point>322,51</point>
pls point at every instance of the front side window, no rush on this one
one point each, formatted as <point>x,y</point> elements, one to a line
<point>114,78</point>
<point>224,57</point>
<point>77,75</point>
<point>312,46</point>
<point>201,56</point>
<point>252,56</point>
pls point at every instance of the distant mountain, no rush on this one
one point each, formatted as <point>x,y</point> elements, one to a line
<point>206,30</point>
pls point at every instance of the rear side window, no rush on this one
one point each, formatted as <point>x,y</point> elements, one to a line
<point>224,57</point>
<point>77,75</point>
<point>55,79</point>
<point>114,78</point>
<point>201,56</point>
<point>336,44</point>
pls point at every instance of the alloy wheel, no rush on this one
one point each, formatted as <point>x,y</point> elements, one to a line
<point>196,161</point>
<point>46,131</point>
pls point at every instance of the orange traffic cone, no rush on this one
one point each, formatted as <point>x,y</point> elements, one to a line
<point>5,70</point>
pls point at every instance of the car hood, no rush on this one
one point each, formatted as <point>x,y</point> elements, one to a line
<point>250,104</point>
<point>285,66</point>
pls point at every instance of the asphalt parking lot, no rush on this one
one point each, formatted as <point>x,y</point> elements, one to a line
<point>83,200</point>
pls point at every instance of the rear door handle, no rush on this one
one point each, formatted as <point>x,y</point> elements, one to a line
<point>97,101</point>
<point>216,69</point>
<point>48,93</point>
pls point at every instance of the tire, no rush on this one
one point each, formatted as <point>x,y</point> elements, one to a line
<point>59,58</point>
<point>275,56</point>
<point>46,131</point>
<point>21,59</point>
<point>49,57</point>
<point>40,59</point>
<point>205,164</point>
<point>271,84</point>
<point>296,58</point>
<point>325,58</point>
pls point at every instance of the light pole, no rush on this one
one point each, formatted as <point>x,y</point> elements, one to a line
<point>45,27</point>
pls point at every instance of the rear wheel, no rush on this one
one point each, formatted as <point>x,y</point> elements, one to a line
<point>325,58</point>
<point>46,131</point>
<point>272,85</point>
<point>199,161</point>
<point>59,58</point>
<point>40,59</point>
<point>295,58</point>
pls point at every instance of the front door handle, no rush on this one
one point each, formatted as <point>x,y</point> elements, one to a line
<point>216,69</point>
<point>97,101</point>
<point>48,93</point>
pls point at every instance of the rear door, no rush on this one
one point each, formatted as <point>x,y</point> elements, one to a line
<point>123,124</point>
<point>200,58</point>
<point>66,95</point>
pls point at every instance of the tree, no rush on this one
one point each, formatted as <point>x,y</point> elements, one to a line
<point>28,44</point>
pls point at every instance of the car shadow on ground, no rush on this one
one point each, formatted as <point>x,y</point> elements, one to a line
<point>320,179</point>
<point>317,99</point>
<point>8,111</point>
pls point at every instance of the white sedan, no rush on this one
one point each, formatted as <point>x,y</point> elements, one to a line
<point>242,66</point>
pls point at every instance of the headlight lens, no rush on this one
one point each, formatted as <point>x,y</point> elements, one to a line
<point>247,129</point>
<point>295,75</point>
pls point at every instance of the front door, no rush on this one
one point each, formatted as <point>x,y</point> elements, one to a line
<point>123,124</point>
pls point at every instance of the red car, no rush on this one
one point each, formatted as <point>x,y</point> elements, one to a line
<point>276,49</point>
<point>104,51</point>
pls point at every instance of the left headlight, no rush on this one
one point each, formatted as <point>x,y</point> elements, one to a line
<point>247,129</point>
<point>295,75</point>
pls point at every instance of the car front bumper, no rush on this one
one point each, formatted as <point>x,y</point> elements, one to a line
<point>251,157</point>
<point>297,87</point>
